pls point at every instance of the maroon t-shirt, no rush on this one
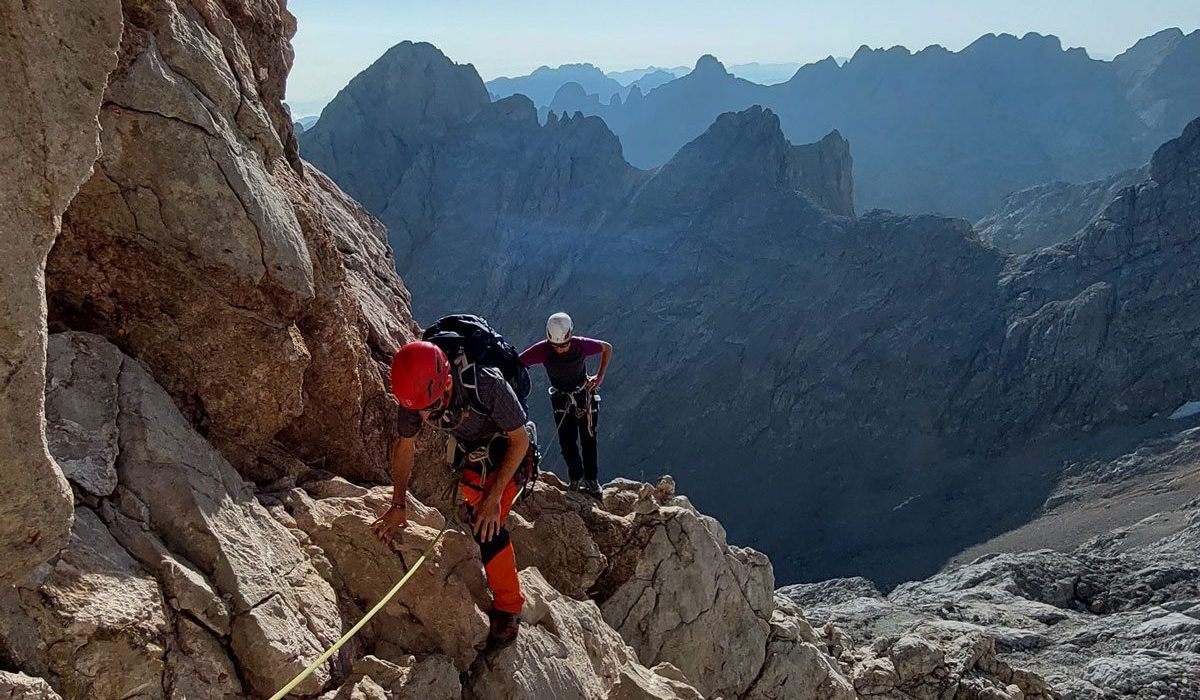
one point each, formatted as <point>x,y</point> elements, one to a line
<point>567,371</point>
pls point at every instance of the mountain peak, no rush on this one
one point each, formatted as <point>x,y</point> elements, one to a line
<point>708,63</point>
<point>1007,42</point>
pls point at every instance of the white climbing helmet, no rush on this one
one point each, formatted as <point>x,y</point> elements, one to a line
<point>558,328</point>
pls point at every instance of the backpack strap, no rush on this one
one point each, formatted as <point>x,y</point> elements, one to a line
<point>469,380</point>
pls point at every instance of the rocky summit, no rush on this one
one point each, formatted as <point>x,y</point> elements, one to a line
<point>890,389</point>
<point>195,331</point>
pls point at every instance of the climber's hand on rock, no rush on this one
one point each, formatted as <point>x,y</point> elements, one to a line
<point>396,518</point>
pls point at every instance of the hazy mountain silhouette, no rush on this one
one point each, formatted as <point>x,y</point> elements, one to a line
<point>943,131</point>
<point>541,84</point>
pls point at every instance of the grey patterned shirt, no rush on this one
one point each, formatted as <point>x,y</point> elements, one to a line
<point>502,412</point>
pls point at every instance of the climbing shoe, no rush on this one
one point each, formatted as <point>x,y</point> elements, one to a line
<point>574,485</point>
<point>592,488</point>
<point>504,629</point>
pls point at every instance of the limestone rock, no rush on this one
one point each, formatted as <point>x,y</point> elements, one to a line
<point>270,335</point>
<point>913,657</point>
<point>18,685</point>
<point>794,667</point>
<point>94,623</point>
<point>439,609</point>
<point>198,666</point>
<point>361,689</point>
<point>690,599</point>
<point>50,143</point>
<point>549,534</point>
<point>81,410</point>
<point>431,678</point>
<point>283,613</point>
<point>566,650</point>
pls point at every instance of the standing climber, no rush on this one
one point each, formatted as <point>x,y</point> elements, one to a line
<point>492,446</point>
<point>573,395</point>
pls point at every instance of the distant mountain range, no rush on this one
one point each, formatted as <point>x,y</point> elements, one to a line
<point>941,131</point>
<point>542,84</point>
<point>809,374</point>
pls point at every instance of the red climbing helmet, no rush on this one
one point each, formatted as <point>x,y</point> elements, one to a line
<point>419,373</point>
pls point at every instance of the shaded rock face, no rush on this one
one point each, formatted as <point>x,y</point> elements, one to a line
<point>942,131</point>
<point>864,370</point>
<point>49,145</point>
<point>269,333</point>
<point>1044,215</point>
<point>370,133</point>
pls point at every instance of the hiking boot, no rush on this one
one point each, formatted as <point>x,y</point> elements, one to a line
<point>592,488</point>
<point>504,629</point>
<point>574,485</point>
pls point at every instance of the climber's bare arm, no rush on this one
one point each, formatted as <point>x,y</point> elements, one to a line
<point>396,517</point>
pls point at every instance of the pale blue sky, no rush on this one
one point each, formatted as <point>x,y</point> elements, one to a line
<point>338,38</point>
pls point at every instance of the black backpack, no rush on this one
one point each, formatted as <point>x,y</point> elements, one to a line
<point>469,341</point>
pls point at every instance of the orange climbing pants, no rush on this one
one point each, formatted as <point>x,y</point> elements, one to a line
<point>499,560</point>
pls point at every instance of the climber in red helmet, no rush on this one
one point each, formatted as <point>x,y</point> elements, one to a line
<point>488,425</point>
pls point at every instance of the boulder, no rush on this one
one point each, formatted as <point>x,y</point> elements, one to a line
<point>439,610</point>
<point>94,623</point>
<point>913,657</point>
<point>430,678</point>
<point>566,650</point>
<point>677,592</point>
<point>549,533</point>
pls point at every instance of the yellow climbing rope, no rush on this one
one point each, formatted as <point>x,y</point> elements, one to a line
<point>365,619</point>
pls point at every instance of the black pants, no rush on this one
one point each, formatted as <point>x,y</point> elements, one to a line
<point>576,430</point>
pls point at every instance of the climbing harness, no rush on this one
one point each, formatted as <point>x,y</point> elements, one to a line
<point>365,618</point>
<point>588,406</point>
<point>480,460</point>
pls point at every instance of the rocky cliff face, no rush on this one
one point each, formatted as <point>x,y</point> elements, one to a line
<point>942,131</point>
<point>50,142</point>
<point>870,364</point>
<point>204,248</point>
<point>1043,215</point>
